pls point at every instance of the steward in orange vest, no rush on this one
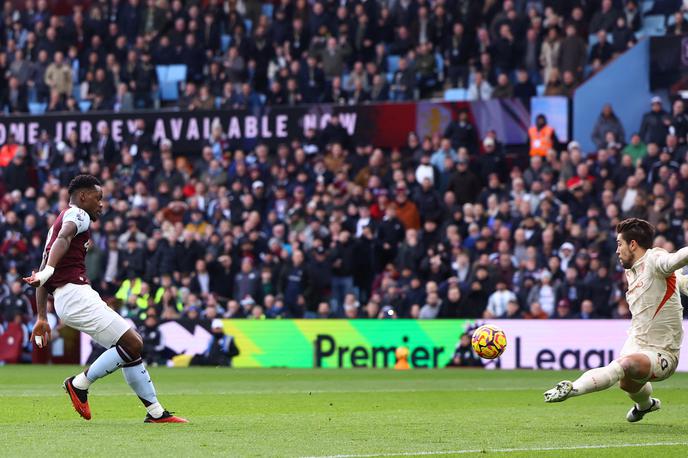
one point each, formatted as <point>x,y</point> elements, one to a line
<point>542,137</point>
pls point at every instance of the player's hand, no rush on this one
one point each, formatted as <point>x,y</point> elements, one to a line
<point>40,335</point>
<point>32,280</point>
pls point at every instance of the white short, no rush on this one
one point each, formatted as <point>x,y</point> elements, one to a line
<point>81,308</point>
<point>663,363</point>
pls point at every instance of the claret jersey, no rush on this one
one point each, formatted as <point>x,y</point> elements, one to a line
<point>72,266</point>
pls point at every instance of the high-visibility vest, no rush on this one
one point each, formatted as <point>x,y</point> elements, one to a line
<point>128,288</point>
<point>540,140</point>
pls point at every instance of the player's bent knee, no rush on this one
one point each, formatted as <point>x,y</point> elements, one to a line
<point>131,346</point>
<point>636,367</point>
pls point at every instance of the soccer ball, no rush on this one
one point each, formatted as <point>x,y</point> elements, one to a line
<point>489,341</point>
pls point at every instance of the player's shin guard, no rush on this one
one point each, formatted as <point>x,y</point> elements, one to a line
<point>139,380</point>
<point>106,364</point>
<point>598,379</point>
<point>643,398</point>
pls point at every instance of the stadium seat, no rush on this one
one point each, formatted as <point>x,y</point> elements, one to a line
<point>249,26</point>
<point>390,77</point>
<point>84,105</point>
<point>458,94</point>
<point>439,61</point>
<point>646,6</point>
<point>76,92</point>
<point>225,42</point>
<point>176,73</point>
<point>592,40</point>
<point>37,108</point>
<point>169,91</point>
<point>218,102</point>
<point>653,25</point>
<point>392,63</point>
<point>161,72</point>
<point>540,89</point>
<point>267,10</point>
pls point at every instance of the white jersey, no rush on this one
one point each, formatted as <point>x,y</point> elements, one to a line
<point>654,300</point>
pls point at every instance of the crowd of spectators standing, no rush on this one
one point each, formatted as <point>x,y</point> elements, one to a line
<point>324,226</point>
<point>103,54</point>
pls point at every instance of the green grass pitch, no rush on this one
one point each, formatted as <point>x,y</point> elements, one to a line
<point>277,412</point>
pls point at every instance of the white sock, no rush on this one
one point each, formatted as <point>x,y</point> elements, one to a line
<point>598,379</point>
<point>81,381</point>
<point>155,410</point>
<point>643,397</point>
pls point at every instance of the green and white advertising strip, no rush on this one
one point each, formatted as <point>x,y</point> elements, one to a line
<point>343,343</point>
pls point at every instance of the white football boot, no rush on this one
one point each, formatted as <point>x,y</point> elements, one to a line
<point>559,393</point>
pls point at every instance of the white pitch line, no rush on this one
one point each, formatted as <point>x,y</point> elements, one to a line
<point>505,450</point>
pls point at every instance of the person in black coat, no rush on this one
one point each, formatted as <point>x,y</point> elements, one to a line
<point>428,201</point>
<point>464,183</point>
<point>366,262</point>
<point>291,283</point>
<point>132,262</point>
<point>461,132</point>
<point>390,233</point>
<point>654,126</point>
<point>15,98</point>
<point>342,270</point>
<point>464,355</point>
<point>318,280</point>
<point>16,175</point>
<point>168,256</point>
<point>221,273</point>
<point>152,258</point>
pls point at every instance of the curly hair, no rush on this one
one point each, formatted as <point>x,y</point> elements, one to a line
<point>82,182</point>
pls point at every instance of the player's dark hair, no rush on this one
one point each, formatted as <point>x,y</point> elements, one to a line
<point>636,229</point>
<point>82,182</point>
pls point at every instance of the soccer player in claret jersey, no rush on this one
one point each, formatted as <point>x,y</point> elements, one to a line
<point>63,274</point>
<point>651,351</point>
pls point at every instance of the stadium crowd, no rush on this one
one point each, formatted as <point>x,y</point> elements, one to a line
<point>103,55</point>
<point>451,225</point>
<point>323,226</point>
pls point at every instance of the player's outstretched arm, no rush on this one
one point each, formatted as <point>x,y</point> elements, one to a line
<point>668,263</point>
<point>57,252</point>
<point>682,282</point>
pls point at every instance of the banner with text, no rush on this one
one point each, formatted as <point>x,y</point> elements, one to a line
<point>384,125</point>
<point>548,344</point>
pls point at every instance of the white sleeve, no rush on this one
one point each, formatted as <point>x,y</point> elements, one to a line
<point>668,263</point>
<point>682,282</point>
<point>78,217</point>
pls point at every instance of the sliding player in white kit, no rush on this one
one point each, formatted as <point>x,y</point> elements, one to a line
<point>651,351</point>
<point>63,274</point>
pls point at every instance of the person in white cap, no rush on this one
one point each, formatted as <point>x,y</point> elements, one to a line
<point>221,348</point>
<point>566,254</point>
<point>653,128</point>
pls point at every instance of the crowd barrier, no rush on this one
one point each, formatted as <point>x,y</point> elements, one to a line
<point>546,344</point>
